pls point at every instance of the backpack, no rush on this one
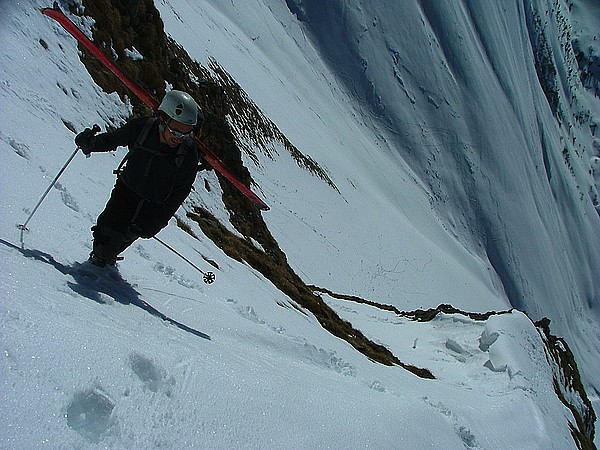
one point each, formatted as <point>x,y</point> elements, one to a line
<point>181,153</point>
<point>180,156</point>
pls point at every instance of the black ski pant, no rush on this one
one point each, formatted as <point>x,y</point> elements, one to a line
<point>126,217</point>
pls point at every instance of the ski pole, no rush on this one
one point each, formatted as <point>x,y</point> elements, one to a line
<point>208,277</point>
<point>23,227</point>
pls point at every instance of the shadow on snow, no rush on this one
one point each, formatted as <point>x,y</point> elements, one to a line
<point>100,285</point>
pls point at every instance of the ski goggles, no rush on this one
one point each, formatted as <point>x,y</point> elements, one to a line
<point>179,134</point>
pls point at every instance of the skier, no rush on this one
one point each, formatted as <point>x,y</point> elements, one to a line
<point>158,174</point>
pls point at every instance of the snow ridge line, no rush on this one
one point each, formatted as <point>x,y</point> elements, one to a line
<point>566,378</point>
<point>419,315</point>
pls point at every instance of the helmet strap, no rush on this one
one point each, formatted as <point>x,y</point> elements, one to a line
<point>162,127</point>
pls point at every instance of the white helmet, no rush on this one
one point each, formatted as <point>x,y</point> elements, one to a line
<point>180,106</point>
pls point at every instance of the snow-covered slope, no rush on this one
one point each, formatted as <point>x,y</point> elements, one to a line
<point>453,188</point>
<point>467,167</point>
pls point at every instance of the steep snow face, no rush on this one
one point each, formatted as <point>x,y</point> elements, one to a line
<point>84,366</point>
<point>481,104</point>
<point>474,123</point>
<point>405,255</point>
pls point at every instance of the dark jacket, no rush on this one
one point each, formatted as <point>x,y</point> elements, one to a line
<point>159,175</point>
<point>154,171</point>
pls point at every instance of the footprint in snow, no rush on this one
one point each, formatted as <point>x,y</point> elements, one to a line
<point>248,312</point>
<point>153,376</point>
<point>89,413</point>
<point>328,359</point>
<point>171,273</point>
<point>457,350</point>
<point>463,432</point>
<point>19,148</point>
<point>67,198</point>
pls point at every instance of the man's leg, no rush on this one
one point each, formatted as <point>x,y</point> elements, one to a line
<point>108,243</point>
<point>111,232</point>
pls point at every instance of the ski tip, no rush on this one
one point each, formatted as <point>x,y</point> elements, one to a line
<point>55,8</point>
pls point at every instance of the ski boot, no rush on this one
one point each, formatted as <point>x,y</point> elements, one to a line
<point>101,262</point>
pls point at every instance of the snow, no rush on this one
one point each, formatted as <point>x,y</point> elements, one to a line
<point>134,54</point>
<point>409,113</point>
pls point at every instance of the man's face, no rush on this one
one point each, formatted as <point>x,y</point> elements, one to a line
<point>175,132</point>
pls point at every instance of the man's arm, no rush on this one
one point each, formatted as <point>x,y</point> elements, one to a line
<point>90,142</point>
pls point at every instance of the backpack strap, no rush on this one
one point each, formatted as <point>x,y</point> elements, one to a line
<point>182,152</point>
<point>137,144</point>
<point>144,133</point>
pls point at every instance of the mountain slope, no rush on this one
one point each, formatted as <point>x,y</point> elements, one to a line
<point>94,370</point>
<point>451,99</point>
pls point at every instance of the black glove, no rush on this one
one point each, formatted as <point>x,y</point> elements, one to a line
<point>87,139</point>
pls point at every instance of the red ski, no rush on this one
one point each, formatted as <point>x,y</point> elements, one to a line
<point>148,100</point>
